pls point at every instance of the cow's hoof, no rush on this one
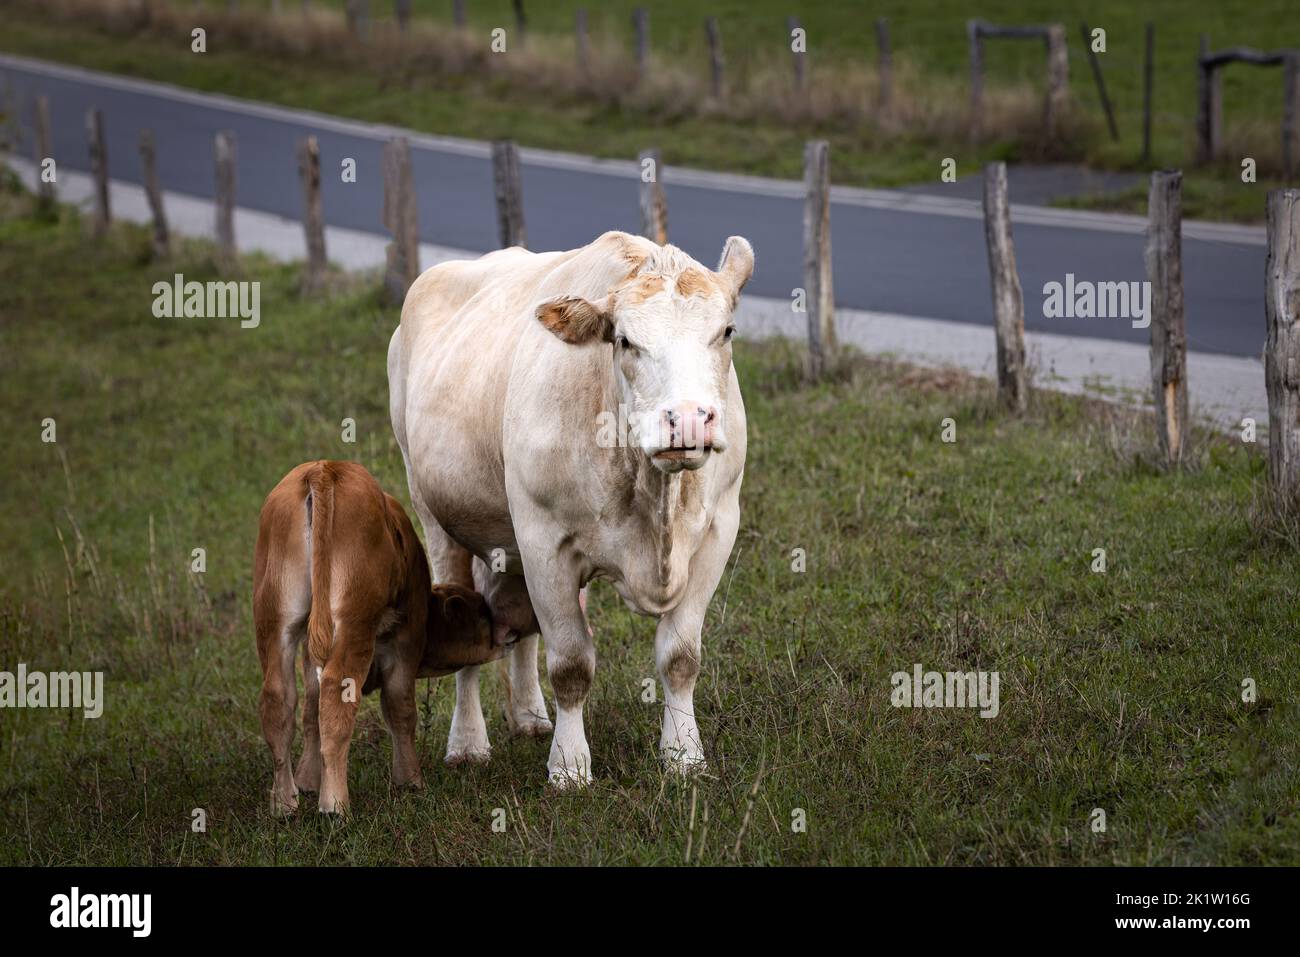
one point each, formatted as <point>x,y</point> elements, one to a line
<point>568,779</point>
<point>307,781</point>
<point>531,726</point>
<point>457,758</point>
<point>684,765</point>
<point>283,805</point>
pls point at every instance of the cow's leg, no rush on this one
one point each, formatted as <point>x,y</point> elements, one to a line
<point>678,645</point>
<point>307,777</point>
<point>341,681</point>
<point>467,741</point>
<point>553,586</point>
<point>571,665</point>
<point>512,617</point>
<point>397,701</point>
<point>449,563</point>
<point>276,648</point>
<point>526,709</point>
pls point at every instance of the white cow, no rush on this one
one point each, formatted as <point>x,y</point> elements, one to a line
<point>567,416</point>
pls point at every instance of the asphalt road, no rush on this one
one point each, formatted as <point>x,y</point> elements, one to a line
<point>890,260</point>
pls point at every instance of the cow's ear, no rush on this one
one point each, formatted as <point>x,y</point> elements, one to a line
<point>578,320</point>
<point>736,265</point>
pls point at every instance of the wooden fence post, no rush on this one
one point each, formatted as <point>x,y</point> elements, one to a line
<point>521,21</point>
<point>798,60</point>
<point>641,22</point>
<point>884,64</point>
<point>1008,300</point>
<point>1282,347</point>
<point>149,162</point>
<point>1209,106</point>
<point>509,194</point>
<point>1164,262</point>
<point>403,253</point>
<point>582,43</point>
<point>1101,81</point>
<point>44,151</point>
<point>1290,106</point>
<point>224,150</point>
<point>819,293</point>
<point>358,14</point>
<point>403,10</point>
<point>99,168</point>
<point>716,63</point>
<point>1058,78</point>
<point>976,48</point>
<point>313,217</point>
<point>654,209</point>
<point>1148,89</point>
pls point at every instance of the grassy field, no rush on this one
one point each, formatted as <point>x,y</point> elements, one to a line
<point>1119,691</point>
<point>930,54</point>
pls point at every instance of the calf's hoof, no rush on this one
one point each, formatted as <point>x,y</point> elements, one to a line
<point>283,805</point>
<point>334,809</point>
<point>307,780</point>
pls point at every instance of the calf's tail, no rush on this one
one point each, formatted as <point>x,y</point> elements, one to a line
<point>320,518</point>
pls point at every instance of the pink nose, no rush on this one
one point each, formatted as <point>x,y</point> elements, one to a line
<point>688,425</point>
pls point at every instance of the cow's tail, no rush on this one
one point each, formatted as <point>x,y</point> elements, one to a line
<point>320,522</point>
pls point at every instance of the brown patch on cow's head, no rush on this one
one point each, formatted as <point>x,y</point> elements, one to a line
<point>639,290</point>
<point>577,320</point>
<point>695,282</point>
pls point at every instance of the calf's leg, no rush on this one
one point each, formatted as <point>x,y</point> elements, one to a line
<point>341,681</point>
<point>307,777</point>
<point>276,705</point>
<point>397,700</point>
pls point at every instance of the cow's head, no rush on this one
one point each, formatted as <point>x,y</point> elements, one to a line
<point>670,326</point>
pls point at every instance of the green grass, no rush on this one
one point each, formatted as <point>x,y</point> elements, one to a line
<point>929,42</point>
<point>1119,691</point>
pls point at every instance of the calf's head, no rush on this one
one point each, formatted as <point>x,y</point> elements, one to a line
<point>670,325</point>
<point>459,631</point>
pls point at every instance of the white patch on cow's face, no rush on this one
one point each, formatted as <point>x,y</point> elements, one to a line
<point>672,359</point>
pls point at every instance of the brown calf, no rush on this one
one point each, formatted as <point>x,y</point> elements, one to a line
<point>339,564</point>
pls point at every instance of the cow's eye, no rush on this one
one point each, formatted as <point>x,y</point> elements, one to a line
<point>623,342</point>
<point>726,335</point>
